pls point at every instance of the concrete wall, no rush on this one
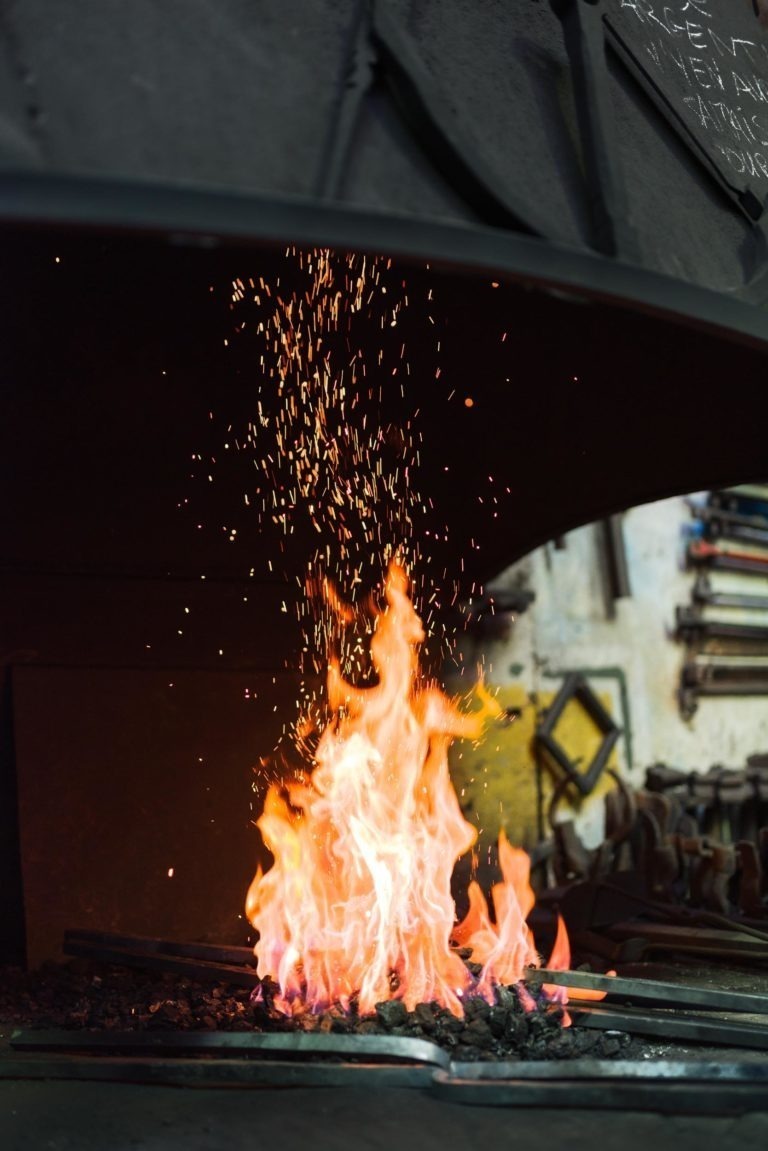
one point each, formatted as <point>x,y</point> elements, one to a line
<point>569,627</point>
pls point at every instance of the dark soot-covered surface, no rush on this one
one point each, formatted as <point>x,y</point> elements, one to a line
<point>93,1116</point>
<point>243,95</point>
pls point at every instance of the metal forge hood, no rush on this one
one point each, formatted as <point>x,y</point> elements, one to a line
<point>516,145</point>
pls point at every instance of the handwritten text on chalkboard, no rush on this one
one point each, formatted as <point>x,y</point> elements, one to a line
<point>710,60</point>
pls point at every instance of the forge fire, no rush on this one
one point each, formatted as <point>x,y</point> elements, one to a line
<point>358,902</point>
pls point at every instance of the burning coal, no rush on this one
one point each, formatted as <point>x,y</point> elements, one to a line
<point>358,901</point>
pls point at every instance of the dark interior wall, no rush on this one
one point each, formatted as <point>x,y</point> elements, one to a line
<point>133,750</point>
<point>136,801</point>
<point>147,674</point>
<point>136,695</point>
<point>115,374</point>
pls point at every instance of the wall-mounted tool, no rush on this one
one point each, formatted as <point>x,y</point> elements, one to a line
<point>570,858</point>
<point>749,499</point>
<point>716,525</point>
<point>693,628</point>
<point>719,679</point>
<point>717,522</point>
<point>493,616</point>
<point>700,553</point>
<point>703,595</point>
<point>614,562</point>
<point>575,687</point>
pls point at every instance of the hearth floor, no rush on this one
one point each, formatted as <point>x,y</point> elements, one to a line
<point>119,1117</point>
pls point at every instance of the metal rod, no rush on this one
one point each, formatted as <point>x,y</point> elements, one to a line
<point>704,595</point>
<point>714,516</point>
<point>672,1025</point>
<point>615,558</point>
<point>690,625</point>
<point>583,1069</point>
<point>194,968</point>
<point>675,1097</point>
<point>220,1072</point>
<point>659,1086</point>
<point>700,940</point>
<point>700,552</point>
<point>584,36</point>
<point>670,994</point>
<point>146,945</point>
<point>297,1044</point>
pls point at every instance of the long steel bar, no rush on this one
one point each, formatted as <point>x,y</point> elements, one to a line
<point>148,945</point>
<point>676,1097</point>
<point>729,599</point>
<point>220,1072</point>
<point>690,626</point>
<point>671,1025</point>
<point>291,1043</point>
<point>648,990</point>
<point>195,968</point>
<point>700,1088</point>
<point>703,1071</point>
<point>693,940</point>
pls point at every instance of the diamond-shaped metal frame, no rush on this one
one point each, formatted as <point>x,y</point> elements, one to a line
<point>575,687</point>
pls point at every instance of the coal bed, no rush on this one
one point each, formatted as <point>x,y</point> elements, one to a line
<point>87,996</point>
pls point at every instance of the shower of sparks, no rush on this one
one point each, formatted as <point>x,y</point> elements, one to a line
<point>317,444</point>
<point>332,440</point>
<point>328,364</point>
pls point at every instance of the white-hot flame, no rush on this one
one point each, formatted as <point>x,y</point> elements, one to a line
<point>358,901</point>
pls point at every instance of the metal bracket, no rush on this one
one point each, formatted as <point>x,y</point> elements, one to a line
<point>356,82</point>
<point>584,35</point>
<point>575,687</point>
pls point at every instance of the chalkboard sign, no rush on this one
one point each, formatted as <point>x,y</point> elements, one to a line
<point>705,63</point>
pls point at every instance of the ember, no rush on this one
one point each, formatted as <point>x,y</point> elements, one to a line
<point>358,902</point>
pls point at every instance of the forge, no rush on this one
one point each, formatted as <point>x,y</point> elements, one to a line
<point>385,922</point>
<point>383,553</point>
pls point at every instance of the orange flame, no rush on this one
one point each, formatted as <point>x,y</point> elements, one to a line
<point>560,960</point>
<point>504,948</point>
<point>358,901</point>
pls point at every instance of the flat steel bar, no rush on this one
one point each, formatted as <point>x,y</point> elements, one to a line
<point>731,599</point>
<point>551,1086</point>
<point>220,1072</point>
<point>676,1097</point>
<point>671,1025</point>
<point>667,994</point>
<point>667,1069</point>
<point>691,626</point>
<point>195,968</point>
<point>147,945</point>
<point>702,940</point>
<point>299,1044</point>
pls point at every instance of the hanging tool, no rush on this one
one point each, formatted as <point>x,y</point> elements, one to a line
<point>719,679</point>
<point>693,628</point>
<point>701,553</point>
<point>704,596</point>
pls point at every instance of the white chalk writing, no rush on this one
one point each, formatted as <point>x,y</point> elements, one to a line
<point>716,79</point>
